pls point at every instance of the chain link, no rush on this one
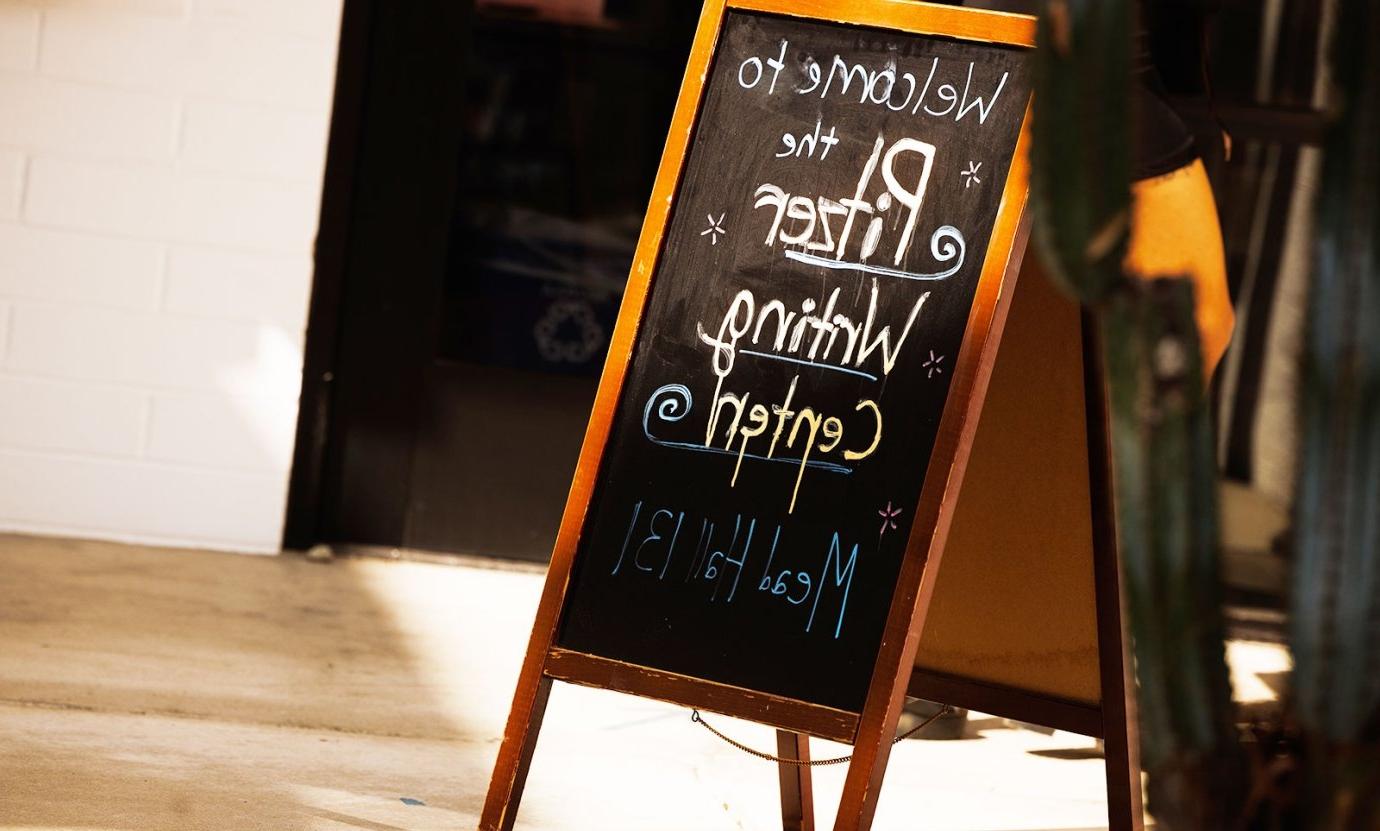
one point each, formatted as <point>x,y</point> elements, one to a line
<point>813,763</point>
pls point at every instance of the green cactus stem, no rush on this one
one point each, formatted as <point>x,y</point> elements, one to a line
<point>1163,465</point>
<point>1335,608</point>
<point>1166,497</point>
<point>1081,143</point>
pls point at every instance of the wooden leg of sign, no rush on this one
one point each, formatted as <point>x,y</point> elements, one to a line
<point>797,794</point>
<point>910,603</point>
<point>871,751</point>
<point>515,756</point>
<point>1118,703</point>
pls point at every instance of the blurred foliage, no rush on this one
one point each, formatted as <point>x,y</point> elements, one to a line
<point>1319,768</point>
<point>1335,610</point>
<point>1081,151</point>
<point>1166,488</point>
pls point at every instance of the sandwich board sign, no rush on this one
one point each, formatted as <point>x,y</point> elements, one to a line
<point>794,385</point>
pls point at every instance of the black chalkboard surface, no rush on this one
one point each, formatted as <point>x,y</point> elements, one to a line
<point>794,355</point>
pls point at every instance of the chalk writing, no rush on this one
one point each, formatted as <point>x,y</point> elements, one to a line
<point>970,175</point>
<point>888,515</point>
<point>946,244</point>
<point>723,551</point>
<point>883,85</point>
<point>807,142</point>
<point>715,229</point>
<point>932,365</point>
<point>816,233</point>
<point>805,305</point>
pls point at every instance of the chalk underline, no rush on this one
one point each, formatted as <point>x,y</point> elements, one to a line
<point>774,357</point>
<point>720,451</point>
<point>883,271</point>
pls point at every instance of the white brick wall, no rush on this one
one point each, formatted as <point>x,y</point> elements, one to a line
<point>4,330</point>
<point>18,37</point>
<point>80,119</point>
<point>11,182</point>
<point>160,171</point>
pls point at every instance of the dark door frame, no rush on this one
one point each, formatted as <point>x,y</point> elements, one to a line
<point>301,529</point>
<point>387,193</point>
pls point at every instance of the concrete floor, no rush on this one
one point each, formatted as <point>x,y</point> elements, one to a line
<point>145,689</point>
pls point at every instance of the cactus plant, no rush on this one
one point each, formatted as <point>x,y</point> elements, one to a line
<point>1166,511</point>
<point>1335,614</point>
<point>1202,772</point>
<point>1081,150</point>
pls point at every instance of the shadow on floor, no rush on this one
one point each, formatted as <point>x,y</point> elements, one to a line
<point>121,663</point>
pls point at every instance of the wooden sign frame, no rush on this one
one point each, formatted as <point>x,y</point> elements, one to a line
<point>871,731</point>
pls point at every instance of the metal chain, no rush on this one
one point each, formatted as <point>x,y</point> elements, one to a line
<point>813,763</point>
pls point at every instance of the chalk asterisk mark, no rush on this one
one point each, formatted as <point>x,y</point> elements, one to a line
<point>888,515</point>
<point>933,365</point>
<point>970,176</point>
<point>716,227</point>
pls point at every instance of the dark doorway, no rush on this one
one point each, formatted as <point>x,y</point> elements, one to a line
<point>488,170</point>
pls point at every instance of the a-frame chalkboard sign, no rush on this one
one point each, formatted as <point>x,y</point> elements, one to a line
<point>792,392</point>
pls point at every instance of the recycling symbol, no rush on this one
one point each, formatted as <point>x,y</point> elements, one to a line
<point>555,339</point>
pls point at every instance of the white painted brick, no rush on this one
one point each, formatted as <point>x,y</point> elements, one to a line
<point>74,417</point>
<point>161,204</point>
<point>319,19</point>
<point>11,182</point>
<point>250,432</point>
<point>166,8</point>
<point>114,48</point>
<point>225,61</point>
<point>259,142</point>
<point>134,132</point>
<point>54,265</point>
<point>143,500</point>
<point>79,342</point>
<point>18,37</point>
<point>70,117</point>
<point>237,286</point>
